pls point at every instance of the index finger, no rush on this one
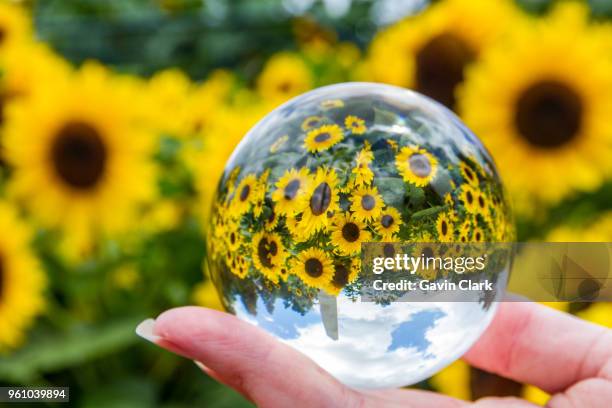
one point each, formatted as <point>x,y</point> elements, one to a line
<point>531,343</point>
<point>266,371</point>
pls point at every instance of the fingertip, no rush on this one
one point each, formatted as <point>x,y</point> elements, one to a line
<point>145,329</point>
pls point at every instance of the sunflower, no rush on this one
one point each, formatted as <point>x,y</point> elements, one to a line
<point>322,201</point>
<point>207,99</point>
<point>239,266</point>
<point>345,272</point>
<point>548,127</point>
<point>362,171</point>
<point>502,232</point>
<point>285,75</point>
<point>323,137</point>
<point>416,165</point>
<point>448,200</point>
<point>355,125</point>
<point>468,195</point>
<point>228,128</point>
<point>430,51</point>
<point>283,273</point>
<point>269,254</point>
<point>444,228</point>
<point>271,220</point>
<point>231,180</point>
<point>465,231</point>
<point>366,203</point>
<point>80,162</point>
<point>232,237</point>
<point>259,195</point>
<point>290,193</point>
<point>24,67</point>
<point>245,195</point>
<point>314,267</point>
<point>468,174</point>
<point>388,224</point>
<point>258,207</point>
<point>296,230</point>
<point>22,281</point>
<point>453,216</point>
<point>347,234</point>
<point>220,221</point>
<point>478,234</point>
<point>483,206</point>
<point>15,27</point>
<point>167,104</point>
<point>311,122</point>
<point>427,267</point>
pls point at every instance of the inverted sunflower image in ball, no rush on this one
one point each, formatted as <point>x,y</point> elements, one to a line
<point>321,175</point>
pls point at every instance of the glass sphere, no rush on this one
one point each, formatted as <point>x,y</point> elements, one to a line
<point>324,173</point>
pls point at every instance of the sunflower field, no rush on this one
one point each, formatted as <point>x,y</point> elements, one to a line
<point>117,118</point>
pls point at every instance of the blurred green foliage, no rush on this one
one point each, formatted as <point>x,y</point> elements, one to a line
<point>143,36</point>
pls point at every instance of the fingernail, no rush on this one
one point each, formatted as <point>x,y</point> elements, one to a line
<point>200,365</point>
<point>145,330</point>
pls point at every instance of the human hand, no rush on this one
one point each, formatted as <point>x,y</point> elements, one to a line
<point>527,342</point>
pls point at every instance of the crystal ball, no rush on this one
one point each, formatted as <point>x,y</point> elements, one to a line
<point>326,172</point>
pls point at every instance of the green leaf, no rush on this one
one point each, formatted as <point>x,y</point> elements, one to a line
<point>416,196</point>
<point>126,392</point>
<point>392,190</point>
<point>428,212</point>
<point>64,350</point>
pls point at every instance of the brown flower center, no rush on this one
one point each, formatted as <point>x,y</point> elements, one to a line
<point>469,174</point>
<point>389,250</point>
<point>469,197</point>
<point>244,193</point>
<point>314,267</point>
<point>3,101</point>
<point>291,189</point>
<point>320,138</point>
<point>321,199</point>
<point>549,114</point>
<point>341,274</point>
<point>387,221</point>
<point>350,232</point>
<point>273,248</point>
<point>368,202</point>
<point>272,217</point>
<point>1,278</point>
<point>420,165</point>
<point>79,155</point>
<point>481,202</point>
<point>265,251</point>
<point>440,67</point>
<point>444,227</point>
<point>427,252</point>
<point>284,86</point>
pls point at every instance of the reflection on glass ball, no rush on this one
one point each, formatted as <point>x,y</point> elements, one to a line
<point>326,172</point>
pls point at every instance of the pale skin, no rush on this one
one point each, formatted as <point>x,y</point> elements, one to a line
<point>569,358</point>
